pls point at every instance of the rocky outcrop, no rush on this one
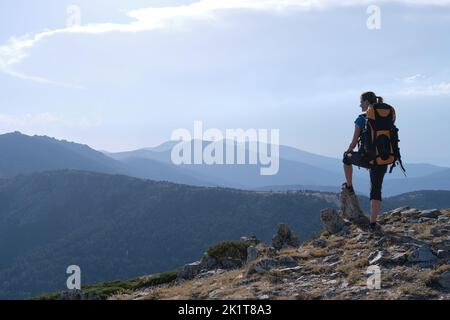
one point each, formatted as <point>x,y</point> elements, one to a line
<point>351,210</point>
<point>230,257</point>
<point>284,238</point>
<point>332,221</point>
<point>411,252</point>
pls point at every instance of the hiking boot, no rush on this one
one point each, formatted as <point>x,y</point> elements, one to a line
<point>349,189</point>
<point>375,228</point>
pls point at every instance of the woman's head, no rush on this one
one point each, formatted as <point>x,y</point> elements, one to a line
<point>368,98</point>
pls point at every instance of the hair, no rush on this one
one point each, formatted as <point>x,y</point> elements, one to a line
<point>371,97</point>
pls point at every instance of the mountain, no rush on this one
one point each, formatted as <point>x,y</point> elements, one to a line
<point>406,258</point>
<point>115,226</point>
<point>301,170</point>
<point>22,154</point>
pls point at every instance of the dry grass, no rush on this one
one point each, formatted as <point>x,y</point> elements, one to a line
<point>350,266</point>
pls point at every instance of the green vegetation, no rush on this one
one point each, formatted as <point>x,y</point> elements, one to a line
<point>107,289</point>
<point>230,249</point>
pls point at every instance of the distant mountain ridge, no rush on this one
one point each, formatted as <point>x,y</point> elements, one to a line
<point>297,169</point>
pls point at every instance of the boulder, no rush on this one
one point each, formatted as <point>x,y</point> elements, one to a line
<point>350,207</point>
<point>397,212</point>
<point>444,280</point>
<point>421,254</point>
<point>230,263</point>
<point>284,238</point>
<point>332,221</point>
<point>263,266</point>
<point>189,271</point>
<point>288,262</point>
<point>252,254</point>
<point>208,262</point>
<point>432,213</point>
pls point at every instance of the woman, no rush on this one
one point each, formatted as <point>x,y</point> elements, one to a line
<point>354,158</point>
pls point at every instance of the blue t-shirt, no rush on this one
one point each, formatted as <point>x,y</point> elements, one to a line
<point>361,121</point>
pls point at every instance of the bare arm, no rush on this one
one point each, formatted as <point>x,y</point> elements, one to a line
<point>355,139</point>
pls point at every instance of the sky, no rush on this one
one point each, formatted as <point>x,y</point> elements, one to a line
<point>121,75</point>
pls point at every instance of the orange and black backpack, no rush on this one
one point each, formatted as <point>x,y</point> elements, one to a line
<point>380,137</point>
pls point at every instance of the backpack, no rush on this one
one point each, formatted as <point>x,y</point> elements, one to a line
<point>379,140</point>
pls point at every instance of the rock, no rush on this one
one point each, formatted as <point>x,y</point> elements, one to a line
<point>334,275</point>
<point>207,262</point>
<point>252,254</point>
<point>189,271</point>
<point>399,258</point>
<point>439,231</point>
<point>263,266</point>
<point>79,295</point>
<point>276,280</point>
<point>432,213</point>
<point>375,257</point>
<point>264,297</point>
<point>215,293</point>
<point>443,254</point>
<point>421,254</point>
<point>252,239</point>
<point>331,259</point>
<point>397,212</point>
<point>271,252</point>
<point>425,219</point>
<point>361,237</point>
<point>292,269</point>
<point>284,238</point>
<point>332,221</point>
<point>350,207</point>
<point>333,264</point>
<point>410,213</point>
<point>444,280</point>
<point>287,261</point>
<point>230,263</point>
<point>321,243</point>
<point>206,274</point>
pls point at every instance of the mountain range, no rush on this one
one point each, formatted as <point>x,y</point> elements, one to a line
<point>298,170</point>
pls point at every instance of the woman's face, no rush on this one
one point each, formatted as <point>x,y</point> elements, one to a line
<point>364,104</point>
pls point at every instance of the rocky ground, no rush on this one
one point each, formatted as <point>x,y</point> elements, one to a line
<point>411,250</point>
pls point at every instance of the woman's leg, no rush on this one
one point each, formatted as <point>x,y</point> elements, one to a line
<point>376,183</point>
<point>348,170</point>
<point>375,209</point>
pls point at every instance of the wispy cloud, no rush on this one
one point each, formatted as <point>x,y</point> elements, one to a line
<point>26,121</point>
<point>440,89</point>
<point>412,79</point>
<point>145,19</point>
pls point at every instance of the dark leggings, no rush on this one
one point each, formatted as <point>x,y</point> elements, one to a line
<point>376,173</point>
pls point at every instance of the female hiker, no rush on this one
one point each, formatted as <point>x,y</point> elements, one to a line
<point>377,172</point>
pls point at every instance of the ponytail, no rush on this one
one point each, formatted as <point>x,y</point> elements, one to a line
<point>371,97</point>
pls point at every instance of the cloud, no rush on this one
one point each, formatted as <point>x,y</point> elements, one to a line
<point>46,119</point>
<point>412,79</point>
<point>440,89</point>
<point>145,19</point>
